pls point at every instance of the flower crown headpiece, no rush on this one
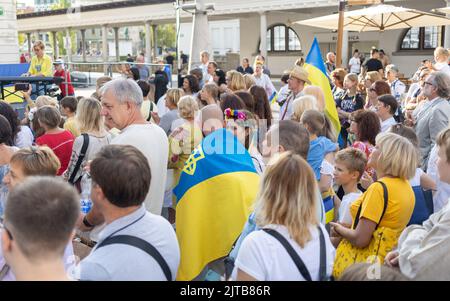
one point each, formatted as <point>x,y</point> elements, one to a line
<point>235,114</point>
<point>240,117</point>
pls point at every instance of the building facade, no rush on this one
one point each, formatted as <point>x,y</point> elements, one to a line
<point>267,26</point>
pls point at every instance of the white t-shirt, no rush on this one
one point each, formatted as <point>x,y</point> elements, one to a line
<point>161,106</point>
<point>385,125</point>
<point>442,194</point>
<point>24,137</point>
<point>415,181</point>
<point>344,209</point>
<point>264,258</point>
<point>151,140</point>
<point>355,65</point>
<point>442,67</point>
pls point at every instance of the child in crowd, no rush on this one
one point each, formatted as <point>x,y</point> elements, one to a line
<point>321,157</point>
<point>349,167</point>
<point>69,109</point>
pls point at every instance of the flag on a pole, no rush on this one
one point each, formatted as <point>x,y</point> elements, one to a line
<point>318,77</point>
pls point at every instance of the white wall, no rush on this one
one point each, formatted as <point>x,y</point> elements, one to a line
<point>223,34</point>
<point>9,45</point>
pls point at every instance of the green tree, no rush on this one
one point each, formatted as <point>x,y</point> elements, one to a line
<point>166,36</point>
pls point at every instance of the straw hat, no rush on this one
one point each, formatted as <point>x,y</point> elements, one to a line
<point>300,73</point>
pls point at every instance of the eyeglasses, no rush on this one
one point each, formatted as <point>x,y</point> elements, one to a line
<point>427,83</point>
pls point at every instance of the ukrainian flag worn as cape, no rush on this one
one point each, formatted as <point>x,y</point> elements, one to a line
<point>215,196</point>
<point>318,76</point>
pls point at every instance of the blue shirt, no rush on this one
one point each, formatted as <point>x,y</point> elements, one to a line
<point>119,262</point>
<point>318,148</point>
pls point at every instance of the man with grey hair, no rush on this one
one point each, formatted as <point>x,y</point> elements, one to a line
<point>121,105</point>
<point>434,115</point>
<point>397,86</point>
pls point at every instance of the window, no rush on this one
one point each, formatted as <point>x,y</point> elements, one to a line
<point>281,38</point>
<point>423,38</point>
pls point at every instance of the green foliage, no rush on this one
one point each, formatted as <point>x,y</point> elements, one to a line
<point>166,36</point>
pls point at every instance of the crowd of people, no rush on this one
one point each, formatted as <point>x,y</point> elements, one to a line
<point>207,181</point>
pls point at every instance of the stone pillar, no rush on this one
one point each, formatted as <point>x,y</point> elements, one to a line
<point>148,42</point>
<point>68,46</point>
<point>29,42</point>
<point>105,53</point>
<point>200,35</point>
<point>447,31</point>
<point>263,34</point>
<point>155,40</point>
<point>345,49</point>
<point>55,46</point>
<point>116,40</point>
<point>83,44</point>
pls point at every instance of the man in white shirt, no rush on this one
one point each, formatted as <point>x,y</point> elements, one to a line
<point>397,86</point>
<point>386,107</point>
<point>135,244</point>
<point>355,63</point>
<point>121,102</point>
<point>296,83</point>
<point>204,57</point>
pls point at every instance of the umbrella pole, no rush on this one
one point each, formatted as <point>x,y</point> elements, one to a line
<point>340,34</point>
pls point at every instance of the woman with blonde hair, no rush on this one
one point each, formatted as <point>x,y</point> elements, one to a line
<point>182,142</point>
<point>263,80</point>
<point>249,81</point>
<point>184,138</point>
<point>337,79</point>
<point>208,95</point>
<point>301,104</point>
<point>235,81</point>
<point>388,203</point>
<point>171,101</point>
<point>318,94</point>
<point>93,136</point>
<point>369,79</point>
<point>285,211</point>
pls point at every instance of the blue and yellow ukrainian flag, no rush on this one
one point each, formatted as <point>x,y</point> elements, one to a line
<point>215,196</point>
<point>318,77</point>
<point>328,204</point>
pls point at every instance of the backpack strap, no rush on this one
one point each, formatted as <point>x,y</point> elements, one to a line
<point>295,257</point>
<point>80,158</point>
<point>385,199</point>
<point>4,271</point>
<point>140,244</point>
<point>323,257</point>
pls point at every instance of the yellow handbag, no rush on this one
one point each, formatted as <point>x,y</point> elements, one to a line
<point>383,241</point>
